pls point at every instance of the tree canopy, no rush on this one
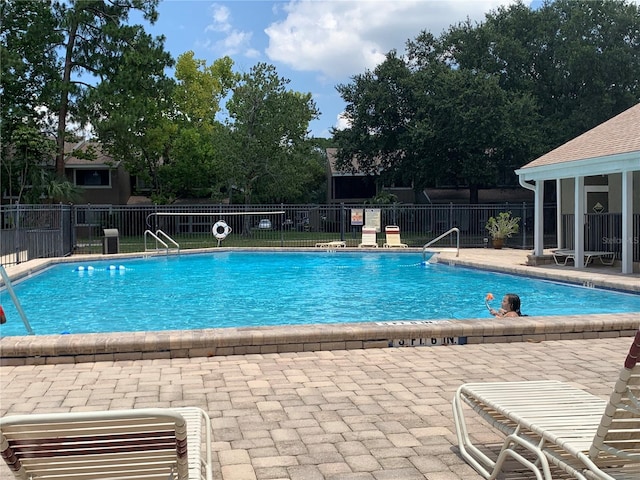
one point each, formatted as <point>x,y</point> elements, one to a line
<point>469,107</point>
<point>463,109</point>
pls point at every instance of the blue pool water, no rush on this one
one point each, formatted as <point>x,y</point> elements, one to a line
<point>231,289</point>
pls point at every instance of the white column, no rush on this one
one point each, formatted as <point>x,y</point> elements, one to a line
<point>538,219</point>
<point>559,234</point>
<point>627,222</point>
<point>578,224</point>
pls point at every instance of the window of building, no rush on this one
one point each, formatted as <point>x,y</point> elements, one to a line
<point>93,178</point>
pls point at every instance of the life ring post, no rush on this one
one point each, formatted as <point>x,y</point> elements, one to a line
<point>220,230</point>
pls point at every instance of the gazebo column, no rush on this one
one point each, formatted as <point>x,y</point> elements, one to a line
<point>578,224</point>
<point>627,222</point>
<point>538,219</point>
<point>559,231</point>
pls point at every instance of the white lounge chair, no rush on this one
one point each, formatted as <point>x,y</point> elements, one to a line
<point>561,256</point>
<point>369,239</point>
<point>393,237</point>
<point>333,244</point>
<point>552,425</point>
<point>150,443</point>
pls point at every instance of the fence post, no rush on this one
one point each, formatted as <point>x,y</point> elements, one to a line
<point>450,222</point>
<point>282,217</point>
<point>342,222</point>
<point>17,235</point>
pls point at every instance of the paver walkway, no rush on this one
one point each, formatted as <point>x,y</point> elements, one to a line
<point>376,414</point>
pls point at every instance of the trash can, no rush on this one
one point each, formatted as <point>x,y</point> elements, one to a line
<point>111,241</point>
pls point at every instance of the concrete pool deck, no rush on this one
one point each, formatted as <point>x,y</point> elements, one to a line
<point>34,349</point>
<point>360,414</point>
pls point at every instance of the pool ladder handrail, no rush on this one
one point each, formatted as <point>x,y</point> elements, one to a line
<point>448,232</point>
<point>16,302</point>
<point>156,237</point>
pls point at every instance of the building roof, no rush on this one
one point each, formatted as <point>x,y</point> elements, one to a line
<point>332,157</point>
<point>101,160</point>
<point>621,134</point>
<point>612,146</point>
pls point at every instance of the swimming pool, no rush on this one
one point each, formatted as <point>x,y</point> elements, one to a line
<point>233,289</point>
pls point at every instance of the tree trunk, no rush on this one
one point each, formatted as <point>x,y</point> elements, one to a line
<point>64,100</point>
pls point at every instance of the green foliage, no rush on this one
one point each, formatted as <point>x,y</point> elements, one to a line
<point>268,157</point>
<point>469,107</point>
<point>384,198</point>
<point>502,226</point>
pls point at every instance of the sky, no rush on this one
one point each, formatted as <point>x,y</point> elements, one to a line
<point>316,44</point>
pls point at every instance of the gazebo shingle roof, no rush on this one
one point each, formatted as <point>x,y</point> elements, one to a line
<point>619,135</point>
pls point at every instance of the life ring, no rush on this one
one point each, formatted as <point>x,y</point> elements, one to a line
<point>220,230</point>
<point>3,318</point>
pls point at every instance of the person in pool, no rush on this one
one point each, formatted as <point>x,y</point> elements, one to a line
<point>510,307</point>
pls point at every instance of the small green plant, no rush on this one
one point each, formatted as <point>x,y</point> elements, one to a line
<point>502,226</point>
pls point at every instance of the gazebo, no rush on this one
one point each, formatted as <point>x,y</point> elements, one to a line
<point>597,177</point>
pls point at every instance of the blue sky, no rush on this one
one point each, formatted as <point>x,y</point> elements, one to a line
<point>317,44</point>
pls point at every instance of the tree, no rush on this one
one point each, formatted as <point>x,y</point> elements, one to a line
<point>380,110</point>
<point>95,38</point>
<point>417,119</point>
<point>193,164</point>
<point>470,106</point>
<point>23,169</point>
<point>29,74</point>
<point>578,59</point>
<point>57,54</point>
<point>132,111</point>
<point>269,156</point>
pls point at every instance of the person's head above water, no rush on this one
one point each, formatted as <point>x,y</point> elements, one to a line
<point>511,303</point>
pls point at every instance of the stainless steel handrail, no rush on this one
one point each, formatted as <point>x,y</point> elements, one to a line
<point>156,237</point>
<point>16,302</point>
<point>448,232</point>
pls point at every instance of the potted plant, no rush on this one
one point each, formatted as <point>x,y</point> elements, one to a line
<point>501,227</point>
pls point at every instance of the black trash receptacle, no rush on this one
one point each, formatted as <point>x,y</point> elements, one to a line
<point>111,241</point>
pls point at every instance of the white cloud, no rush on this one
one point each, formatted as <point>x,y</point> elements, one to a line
<point>340,38</point>
<point>234,41</point>
<point>342,122</point>
<point>220,16</point>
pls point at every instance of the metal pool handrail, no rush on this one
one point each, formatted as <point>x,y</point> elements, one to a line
<point>16,302</point>
<point>156,237</point>
<point>448,232</point>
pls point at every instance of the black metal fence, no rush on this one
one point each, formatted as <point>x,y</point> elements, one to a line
<point>602,233</point>
<point>39,231</point>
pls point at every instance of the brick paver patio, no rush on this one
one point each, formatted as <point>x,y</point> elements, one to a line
<point>377,414</point>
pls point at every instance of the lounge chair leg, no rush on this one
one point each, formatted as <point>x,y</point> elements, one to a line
<point>468,451</point>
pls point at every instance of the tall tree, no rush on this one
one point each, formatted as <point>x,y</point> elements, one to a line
<point>380,110</point>
<point>29,76</point>
<point>483,99</point>
<point>268,144</point>
<point>132,110</point>
<point>56,52</point>
<point>95,37</point>
<point>193,166</point>
<point>579,59</point>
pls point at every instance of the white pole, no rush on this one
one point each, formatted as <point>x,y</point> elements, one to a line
<point>16,302</point>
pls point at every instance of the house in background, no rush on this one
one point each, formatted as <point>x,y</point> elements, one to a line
<point>349,187</point>
<point>102,180</point>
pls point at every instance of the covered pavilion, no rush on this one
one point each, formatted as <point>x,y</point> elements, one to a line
<point>597,172</point>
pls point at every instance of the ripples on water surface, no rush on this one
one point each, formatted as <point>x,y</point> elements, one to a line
<point>230,289</point>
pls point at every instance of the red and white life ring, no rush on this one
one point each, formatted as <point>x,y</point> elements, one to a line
<point>220,230</point>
